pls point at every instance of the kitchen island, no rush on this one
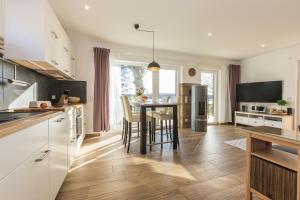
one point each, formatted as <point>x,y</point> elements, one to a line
<point>273,163</point>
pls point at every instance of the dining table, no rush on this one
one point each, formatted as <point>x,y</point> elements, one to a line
<point>143,115</point>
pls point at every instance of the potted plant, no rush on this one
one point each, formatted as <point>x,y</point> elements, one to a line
<point>281,103</point>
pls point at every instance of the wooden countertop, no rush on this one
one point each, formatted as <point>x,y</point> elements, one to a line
<point>292,137</point>
<point>17,125</point>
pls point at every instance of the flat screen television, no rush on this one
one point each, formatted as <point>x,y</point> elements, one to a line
<point>267,92</point>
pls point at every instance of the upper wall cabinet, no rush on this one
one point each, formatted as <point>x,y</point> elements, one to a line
<point>36,39</point>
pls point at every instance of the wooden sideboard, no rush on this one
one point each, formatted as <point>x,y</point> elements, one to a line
<point>264,119</point>
<point>273,164</point>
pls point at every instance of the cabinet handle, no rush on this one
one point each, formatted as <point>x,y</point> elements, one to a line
<point>60,120</point>
<point>66,50</point>
<point>54,62</point>
<point>73,140</point>
<point>46,153</point>
<point>54,34</point>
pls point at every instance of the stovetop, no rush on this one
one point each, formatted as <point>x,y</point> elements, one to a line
<point>11,116</point>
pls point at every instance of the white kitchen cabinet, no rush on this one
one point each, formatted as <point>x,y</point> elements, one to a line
<point>21,145</point>
<point>58,145</point>
<point>35,38</point>
<point>30,180</point>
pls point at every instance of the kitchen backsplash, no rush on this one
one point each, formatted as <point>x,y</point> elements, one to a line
<point>41,87</point>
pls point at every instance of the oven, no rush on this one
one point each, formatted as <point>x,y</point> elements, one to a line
<point>79,121</point>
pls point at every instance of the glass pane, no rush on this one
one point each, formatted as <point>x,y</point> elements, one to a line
<point>136,81</point>
<point>209,80</point>
<point>167,84</point>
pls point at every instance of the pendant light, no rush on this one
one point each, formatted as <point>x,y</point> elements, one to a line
<point>153,66</point>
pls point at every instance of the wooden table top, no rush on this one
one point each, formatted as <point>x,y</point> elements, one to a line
<point>276,133</point>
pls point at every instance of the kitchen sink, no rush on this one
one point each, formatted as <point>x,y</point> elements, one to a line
<point>11,116</point>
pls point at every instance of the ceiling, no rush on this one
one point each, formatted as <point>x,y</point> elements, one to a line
<point>238,27</point>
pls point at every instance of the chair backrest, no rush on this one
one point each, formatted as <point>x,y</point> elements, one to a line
<point>166,111</point>
<point>127,108</point>
<point>122,105</point>
<point>169,111</point>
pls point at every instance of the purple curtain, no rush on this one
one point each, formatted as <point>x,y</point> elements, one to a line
<point>234,79</point>
<point>101,90</point>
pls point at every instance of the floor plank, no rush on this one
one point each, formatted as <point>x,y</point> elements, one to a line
<point>203,168</point>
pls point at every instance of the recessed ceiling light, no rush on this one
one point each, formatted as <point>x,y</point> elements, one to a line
<point>87,7</point>
<point>263,45</point>
<point>209,34</point>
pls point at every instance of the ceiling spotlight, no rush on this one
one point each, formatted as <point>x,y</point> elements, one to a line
<point>263,45</point>
<point>87,7</point>
<point>209,34</point>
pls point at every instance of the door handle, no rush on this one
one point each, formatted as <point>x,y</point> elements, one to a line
<point>60,120</point>
<point>46,153</point>
<point>54,62</point>
<point>54,34</point>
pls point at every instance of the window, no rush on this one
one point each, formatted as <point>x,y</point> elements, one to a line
<point>209,79</point>
<point>135,77</point>
<point>167,84</point>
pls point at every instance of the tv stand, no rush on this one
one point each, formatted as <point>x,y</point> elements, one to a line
<point>264,119</point>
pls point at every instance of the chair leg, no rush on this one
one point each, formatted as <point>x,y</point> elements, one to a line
<point>154,129</point>
<point>123,128</point>
<point>138,129</point>
<point>150,136</point>
<point>126,133</point>
<point>129,136</point>
<point>167,132</point>
<point>161,133</point>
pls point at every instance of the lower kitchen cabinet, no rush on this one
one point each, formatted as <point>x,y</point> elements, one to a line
<point>30,181</point>
<point>59,133</point>
<point>36,160</point>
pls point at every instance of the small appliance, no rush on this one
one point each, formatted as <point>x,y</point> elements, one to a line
<point>289,111</point>
<point>244,108</point>
<point>261,109</point>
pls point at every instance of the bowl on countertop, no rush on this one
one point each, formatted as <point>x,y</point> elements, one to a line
<point>74,99</point>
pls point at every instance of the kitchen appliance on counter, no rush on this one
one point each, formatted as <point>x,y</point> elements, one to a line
<point>37,104</point>
<point>199,108</point>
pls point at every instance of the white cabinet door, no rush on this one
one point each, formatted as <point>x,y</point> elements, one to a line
<point>58,145</point>
<point>242,120</point>
<point>259,121</point>
<point>30,181</point>
<point>273,123</point>
<point>17,147</point>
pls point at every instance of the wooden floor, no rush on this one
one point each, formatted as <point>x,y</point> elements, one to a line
<point>204,168</point>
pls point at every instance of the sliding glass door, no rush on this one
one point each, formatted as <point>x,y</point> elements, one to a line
<point>167,83</point>
<point>128,78</point>
<point>210,79</point>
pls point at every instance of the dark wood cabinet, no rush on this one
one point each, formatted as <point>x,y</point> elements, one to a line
<point>273,181</point>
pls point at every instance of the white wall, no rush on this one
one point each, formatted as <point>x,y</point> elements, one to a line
<point>1,17</point>
<point>276,65</point>
<point>83,47</point>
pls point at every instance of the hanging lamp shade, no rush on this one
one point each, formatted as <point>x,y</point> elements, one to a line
<point>154,66</point>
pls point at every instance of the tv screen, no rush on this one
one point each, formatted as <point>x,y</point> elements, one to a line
<point>267,92</point>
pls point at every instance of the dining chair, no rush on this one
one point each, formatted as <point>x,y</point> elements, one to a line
<point>130,118</point>
<point>124,119</point>
<point>164,115</point>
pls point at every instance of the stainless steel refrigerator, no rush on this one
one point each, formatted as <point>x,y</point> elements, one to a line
<point>199,108</point>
